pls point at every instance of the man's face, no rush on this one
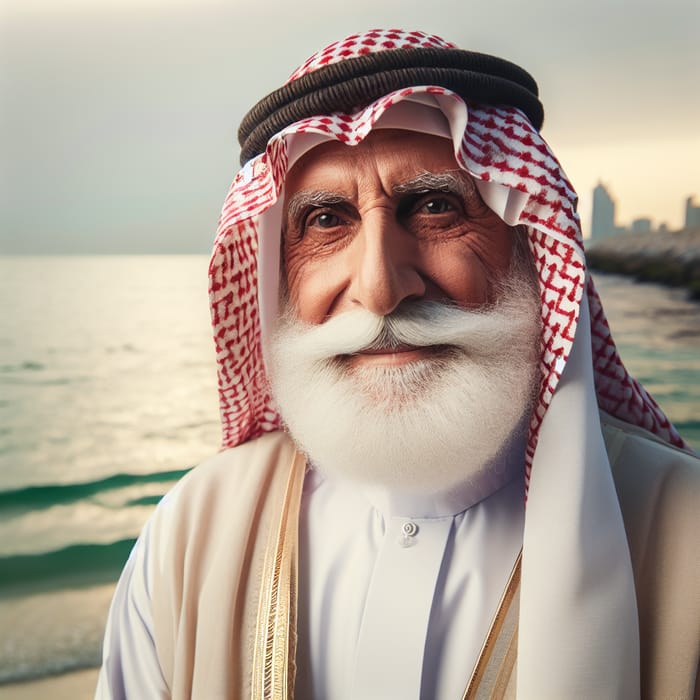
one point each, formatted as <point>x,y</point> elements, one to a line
<point>406,353</point>
<point>391,219</point>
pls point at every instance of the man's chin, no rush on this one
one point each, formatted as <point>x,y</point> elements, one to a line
<point>424,426</point>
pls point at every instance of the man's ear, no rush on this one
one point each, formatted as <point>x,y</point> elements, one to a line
<point>522,259</point>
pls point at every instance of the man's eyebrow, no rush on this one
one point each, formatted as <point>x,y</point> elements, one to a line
<point>299,202</point>
<point>454,182</point>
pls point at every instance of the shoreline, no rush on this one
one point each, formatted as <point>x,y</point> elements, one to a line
<point>671,259</point>
<point>73,685</point>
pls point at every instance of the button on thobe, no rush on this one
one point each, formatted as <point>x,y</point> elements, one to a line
<point>395,622</point>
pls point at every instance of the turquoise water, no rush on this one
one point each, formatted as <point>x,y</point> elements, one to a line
<point>657,331</point>
<point>108,395</point>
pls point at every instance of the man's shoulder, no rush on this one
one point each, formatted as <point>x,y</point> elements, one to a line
<point>202,549</point>
<point>658,487</point>
<point>232,479</point>
<point>238,462</point>
<point>644,464</point>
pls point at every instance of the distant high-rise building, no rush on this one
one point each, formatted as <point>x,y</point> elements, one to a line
<point>641,226</point>
<point>692,214</point>
<point>603,219</point>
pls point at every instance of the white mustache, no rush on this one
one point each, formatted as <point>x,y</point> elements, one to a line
<point>478,333</point>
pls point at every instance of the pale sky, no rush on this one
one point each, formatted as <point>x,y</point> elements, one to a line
<point>118,118</point>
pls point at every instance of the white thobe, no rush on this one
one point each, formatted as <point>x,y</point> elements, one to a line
<point>396,594</point>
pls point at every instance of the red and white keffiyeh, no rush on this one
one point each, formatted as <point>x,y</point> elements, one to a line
<point>578,621</point>
<point>499,145</point>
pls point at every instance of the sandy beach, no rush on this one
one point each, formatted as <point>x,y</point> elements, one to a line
<point>79,685</point>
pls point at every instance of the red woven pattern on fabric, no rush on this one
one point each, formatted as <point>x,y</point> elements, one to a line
<point>619,394</point>
<point>244,398</point>
<point>252,191</point>
<point>369,42</point>
<point>501,145</point>
<point>561,274</point>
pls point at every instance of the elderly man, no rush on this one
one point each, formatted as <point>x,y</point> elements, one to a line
<point>438,480</point>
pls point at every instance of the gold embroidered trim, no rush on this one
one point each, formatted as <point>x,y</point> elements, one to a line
<point>274,655</point>
<point>505,611</point>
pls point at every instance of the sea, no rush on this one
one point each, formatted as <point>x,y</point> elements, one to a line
<point>108,396</point>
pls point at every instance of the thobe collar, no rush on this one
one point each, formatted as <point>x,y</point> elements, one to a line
<point>441,503</point>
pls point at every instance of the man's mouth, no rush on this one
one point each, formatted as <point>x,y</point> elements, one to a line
<point>389,350</point>
<point>393,356</point>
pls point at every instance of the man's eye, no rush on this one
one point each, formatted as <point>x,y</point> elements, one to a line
<point>437,206</point>
<point>323,220</point>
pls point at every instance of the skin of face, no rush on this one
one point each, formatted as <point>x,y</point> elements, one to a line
<point>389,220</point>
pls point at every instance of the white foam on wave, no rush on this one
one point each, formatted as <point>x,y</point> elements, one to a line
<point>50,633</point>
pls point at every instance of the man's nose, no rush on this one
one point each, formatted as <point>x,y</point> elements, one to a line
<point>386,266</point>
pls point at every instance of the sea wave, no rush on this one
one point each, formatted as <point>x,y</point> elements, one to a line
<point>48,495</point>
<point>76,564</point>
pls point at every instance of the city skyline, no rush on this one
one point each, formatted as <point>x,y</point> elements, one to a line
<point>604,221</point>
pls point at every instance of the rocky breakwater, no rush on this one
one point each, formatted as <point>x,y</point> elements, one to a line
<point>671,258</point>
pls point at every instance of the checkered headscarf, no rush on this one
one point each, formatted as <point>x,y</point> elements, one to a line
<point>500,145</point>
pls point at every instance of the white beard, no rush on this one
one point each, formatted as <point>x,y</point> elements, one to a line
<point>422,426</point>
